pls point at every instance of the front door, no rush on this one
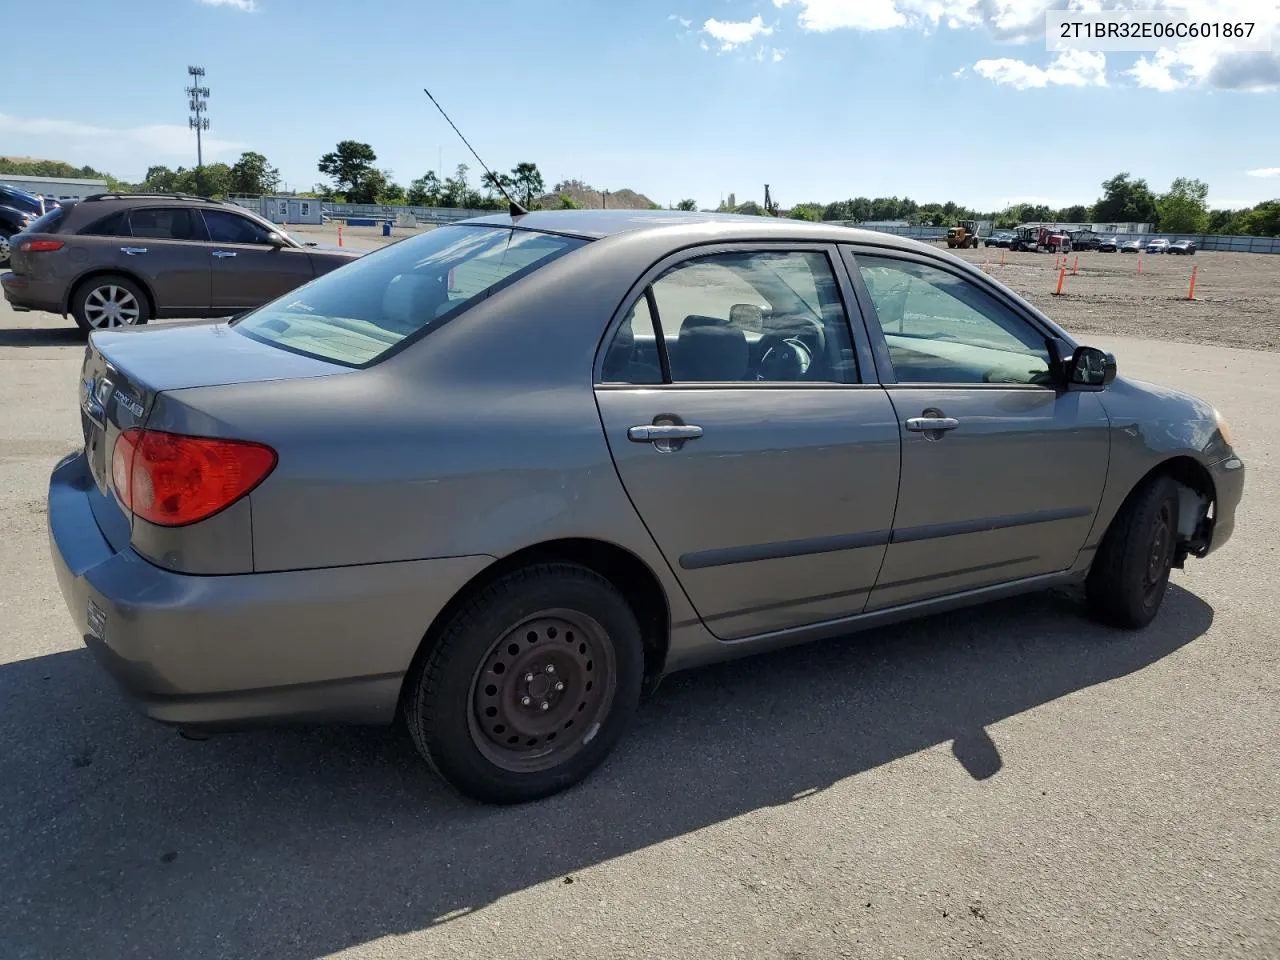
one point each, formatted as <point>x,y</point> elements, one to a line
<point>764,468</point>
<point>248,270</point>
<point>1002,471</point>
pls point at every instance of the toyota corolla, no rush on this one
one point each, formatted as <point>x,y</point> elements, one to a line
<point>495,480</point>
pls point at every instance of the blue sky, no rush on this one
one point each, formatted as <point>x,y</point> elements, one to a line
<point>822,99</point>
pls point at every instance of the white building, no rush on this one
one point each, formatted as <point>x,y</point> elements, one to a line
<point>292,209</point>
<point>56,188</point>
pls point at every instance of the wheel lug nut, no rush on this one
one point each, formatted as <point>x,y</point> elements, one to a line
<point>525,701</point>
<point>551,668</point>
<point>559,686</point>
<point>528,678</point>
<point>545,705</point>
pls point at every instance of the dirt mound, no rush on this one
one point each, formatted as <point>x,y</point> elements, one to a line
<point>589,198</point>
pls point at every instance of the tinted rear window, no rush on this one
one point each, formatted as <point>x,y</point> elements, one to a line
<point>359,312</point>
<point>112,225</point>
<point>166,223</point>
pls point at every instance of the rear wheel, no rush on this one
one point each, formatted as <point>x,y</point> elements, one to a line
<point>1130,573</point>
<point>109,301</point>
<point>529,686</point>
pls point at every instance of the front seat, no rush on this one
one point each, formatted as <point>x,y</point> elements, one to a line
<point>710,350</point>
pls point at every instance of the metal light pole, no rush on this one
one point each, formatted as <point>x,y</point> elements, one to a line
<point>196,100</point>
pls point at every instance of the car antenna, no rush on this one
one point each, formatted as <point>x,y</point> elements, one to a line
<point>516,209</point>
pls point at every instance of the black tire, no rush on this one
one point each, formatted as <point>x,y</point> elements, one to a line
<point>135,310</point>
<point>464,708</point>
<point>1130,573</point>
<point>6,234</point>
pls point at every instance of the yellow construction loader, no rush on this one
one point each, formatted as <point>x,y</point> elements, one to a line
<point>963,234</point>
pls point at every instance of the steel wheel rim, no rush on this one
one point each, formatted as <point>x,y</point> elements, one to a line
<point>506,718</point>
<point>111,306</point>
<point>4,249</point>
<point>1159,555</point>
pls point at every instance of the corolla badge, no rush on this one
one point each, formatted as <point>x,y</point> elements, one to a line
<point>130,404</point>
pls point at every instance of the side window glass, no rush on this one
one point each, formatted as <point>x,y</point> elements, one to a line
<point>231,228</point>
<point>632,356</point>
<point>164,223</point>
<point>755,316</point>
<point>941,328</point>
<point>113,225</point>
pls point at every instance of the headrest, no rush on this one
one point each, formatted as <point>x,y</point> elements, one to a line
<point>699,320</point>
<point>710,353</point>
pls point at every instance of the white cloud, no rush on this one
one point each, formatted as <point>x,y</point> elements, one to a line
<point>1196,63</point>
<point>248,6</point>
<point>1263,172</point>
<point>681,20</point>
<point>734,33</point>
<point>778,55</point>
<point>1070,68</point>
<point>135,147</point>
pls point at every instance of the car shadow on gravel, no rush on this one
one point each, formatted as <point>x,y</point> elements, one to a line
<point>119,839</point>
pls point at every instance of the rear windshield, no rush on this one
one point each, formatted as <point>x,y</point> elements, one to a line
<point>47,223</point>
<point>359,312</point>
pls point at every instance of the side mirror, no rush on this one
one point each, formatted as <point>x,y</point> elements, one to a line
<point>1091,368</point>
<point>275,239</point>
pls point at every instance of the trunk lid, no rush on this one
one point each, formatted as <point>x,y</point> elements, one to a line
<point>125,370</point>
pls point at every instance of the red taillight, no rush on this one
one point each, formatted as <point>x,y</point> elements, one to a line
<point>172,480</point>
<point>40,246</point>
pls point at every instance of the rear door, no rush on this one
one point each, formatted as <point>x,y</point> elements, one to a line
<point>763,465</point>
<point>1002,471</point>
<point>167,250</point>
<point>248,270</point>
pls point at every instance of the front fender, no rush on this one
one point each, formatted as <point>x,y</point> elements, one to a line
<point>1154,426</point>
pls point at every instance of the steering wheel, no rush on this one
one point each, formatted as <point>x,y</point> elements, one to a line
<point>786,359</point>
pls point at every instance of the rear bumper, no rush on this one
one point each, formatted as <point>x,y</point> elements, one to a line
<point>1228,484</point>
<point>226,652</point>
<point>23,293</point>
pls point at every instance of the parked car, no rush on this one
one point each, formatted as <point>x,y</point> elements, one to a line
<point>1085,240</point>
<point>1001,238</point>
<point>1182,247</point>
<point>1131,246</point>
<point>1158,245</point>
<point>123,259</point>
<point>497,478</point>
<point>18,210</point>
<point>1107,245</point>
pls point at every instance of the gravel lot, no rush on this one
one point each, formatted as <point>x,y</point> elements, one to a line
<point>1237,294</point>
<point>1008,782</point>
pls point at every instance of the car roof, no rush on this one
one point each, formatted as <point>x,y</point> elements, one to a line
<point>598,224</point>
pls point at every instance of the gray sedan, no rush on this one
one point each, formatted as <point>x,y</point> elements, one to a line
<point>494,481</point>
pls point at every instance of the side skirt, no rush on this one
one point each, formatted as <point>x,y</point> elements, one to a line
<point>721,650</point>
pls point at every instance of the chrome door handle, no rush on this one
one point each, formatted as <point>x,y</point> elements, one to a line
<point>930,424</point>
<point>224,253</point>
<point>133,251</point>
<point>654,432</point>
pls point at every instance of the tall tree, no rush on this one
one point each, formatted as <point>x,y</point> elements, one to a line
<point>425,191</point>
<point>159,179</point>
<point>252,174</point>
<point>528,181</point>
<point>1263,220</point>
<point>1183,208</point>
<point>687,205</point>
<point>349,166</point>
<point>1125,200</point>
